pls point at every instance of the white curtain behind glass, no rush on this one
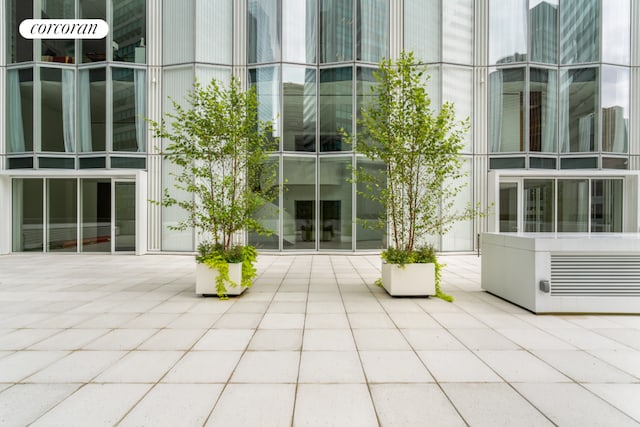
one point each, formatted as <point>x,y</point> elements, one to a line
<point>68,113</point>
<point>565,88</point>
<point>84,112</point>
<point>337,30</point>
<point>15,130</point>
<point>585,126</point>
<point>18,215</point>
<point>139,84</point>
<point>373,28</point>
<point>550,114</point>
<point>495,111</point>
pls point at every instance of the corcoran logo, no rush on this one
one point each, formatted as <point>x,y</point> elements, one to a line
<point>64,29</point>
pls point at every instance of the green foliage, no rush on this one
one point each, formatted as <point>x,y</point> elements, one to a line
<point>421,151</point>
<point>218,258</point>
<point>221,150</point>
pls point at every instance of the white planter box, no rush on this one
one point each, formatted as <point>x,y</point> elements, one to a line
<point>412,280</point>
<point>206,279</point>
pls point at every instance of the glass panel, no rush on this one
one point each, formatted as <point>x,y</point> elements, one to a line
<point>579,163</point>
<point>19,104</point>
<point>95,228</point>
<point>507,31</point>
<point>299,109</point>
<point>93,50</point>
<point>366,98</point>
<point>579,31</point>
<point>267,83</point>
<point>299,29</point>
<point>125,221</point>
<point>19,49</point>
<point>92,113</point>
<point>539,209</point>
<point>62,225</point>
<point>336,30</point>
<point>93,162</point>
<point>214,21</point>
<point>56,163</point>
<point>457,31</point>
<point>128,29</point>
<point>606,205</point>
<point>461,237</point>
<point>129,107</point>
<point>57,50</point>
<point>269,214</point>
<point>128,162</point>
<point>616,31</point>
<point>373,30</point>
<point>264,31</point>
<point>299,203</point>
<point>615,109</point>
<point>368,211</point>
<point>422,34</point>
<point>20,163</point>
<point>506,163</point>
<point>542,163</point>
<point>578,114</point>
<point>27,215</point>
<point>336,107</point>
<point>57,88</point>
<point>543,111</point>
<point>457,87</point>
<point>336,216</point>
<point>508,207</point>
<point>615,163</point>
<point>543,30</point>
<point>573,205</point>
<point>506,110</point>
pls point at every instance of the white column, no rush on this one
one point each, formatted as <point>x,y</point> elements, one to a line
<point>5,214</point>
<point>141,213</point>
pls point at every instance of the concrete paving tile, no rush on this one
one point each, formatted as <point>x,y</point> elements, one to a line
<point>179,307</point>
<point>431,339</point>
<point>242,306</point>
<point>328,339</point>
<point>330,367</point>
<point>587,340</point>
<point>457,366</point>
<point>174,405</point>
<point>150,321</point>
<point>282,321</point>
<point>413,320</point>
<point>625,397</point>
<point>210,306</point>
<point>535,339</point>
<point>238,321</point>
<point>198,367</point>
<point>224,339</point>
<point>483,339</point>
<point>254,405</point>
<point>457,320</point>
<point>380,339</point>
<point>520,366</point>
<point>625,360</point>
<point>582,367</point>
<point>267,367</point>
<point>19,365</point>
<point>94,405</point>
<point>287,307</point>
<point>281,297</point>
<point>173,339</point>
<point>326,321</point>
<point>370,321</point>
<point>77,367</point>
<point>394,367</point>
<point>626,336</point>
<point>19,339</point>
<point>24,320</point>
<point>404,405</point>
<point>492,405</point>
<point>363,307</point>
<point>571,404</point>
<point>334,405</point>
<point>121,339</point>
<point>23,403</point>
<point>140,367</point>
<point>276,339</point>
<point>62,321</point>
<point>315,307</point>
<point>194,321</point>
<point>69,339</point>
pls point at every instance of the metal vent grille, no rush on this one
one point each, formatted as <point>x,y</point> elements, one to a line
<point>595,275</point>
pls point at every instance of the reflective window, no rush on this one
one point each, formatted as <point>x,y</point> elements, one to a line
<point>543,110</point>
<point>373,30</point>
<point>507,31</point>
<point>299,31</point>
<point>508,207</point>
<point>129,107</point>
<point>91,110</point>
<point>543,30</point>
<point>370,234</point>
<point>615,109</point>
<point>266,80</point>
<point>268,215</point>
<point>128,30</point>
<point>92,50</point>
<point>299,108</point>
<point>366,98</point>
<point>457,87</point>
<point>457,31</point>
<point>19,110</point>
<point>578,110</point>
<point>422,24</point>
<point>606,205</point>
<point>336,30</point>
<point>539,205</point>
<point>57,50</point>
<point>214,21</point>
<point>616,31</point>
<point>125,219</point>
<point>336,217</point>
<point>506,110</point>
<point>57,90</point>
<point>62,215</point>
<point>336,107</point>
<point>299,203</point>
<point>264,31</point>
<point>95,225</point>
<point>579,31</point>
<point>27,215</point>
<point>19,49</point>
<point>573,205</point>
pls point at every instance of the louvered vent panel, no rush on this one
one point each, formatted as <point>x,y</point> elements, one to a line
<point>595,275</point>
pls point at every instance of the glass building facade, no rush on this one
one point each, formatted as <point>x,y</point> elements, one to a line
<point>551,89</point>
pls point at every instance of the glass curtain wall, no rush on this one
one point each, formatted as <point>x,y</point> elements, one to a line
<point>28,219</point>
<point>19,110</point>
<point>507,110</point>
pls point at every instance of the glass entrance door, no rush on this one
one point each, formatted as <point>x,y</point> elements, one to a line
<point>95,226</point>
<point>125,216</point>
<point>509,207</point>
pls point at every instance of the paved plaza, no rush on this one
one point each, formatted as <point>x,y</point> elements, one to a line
<point>93,340</point>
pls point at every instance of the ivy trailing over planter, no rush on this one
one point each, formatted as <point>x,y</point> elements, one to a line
<point>216,257</point>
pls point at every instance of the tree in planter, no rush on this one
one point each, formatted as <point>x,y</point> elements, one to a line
<point>221,149</point>
<point>421,151</point>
